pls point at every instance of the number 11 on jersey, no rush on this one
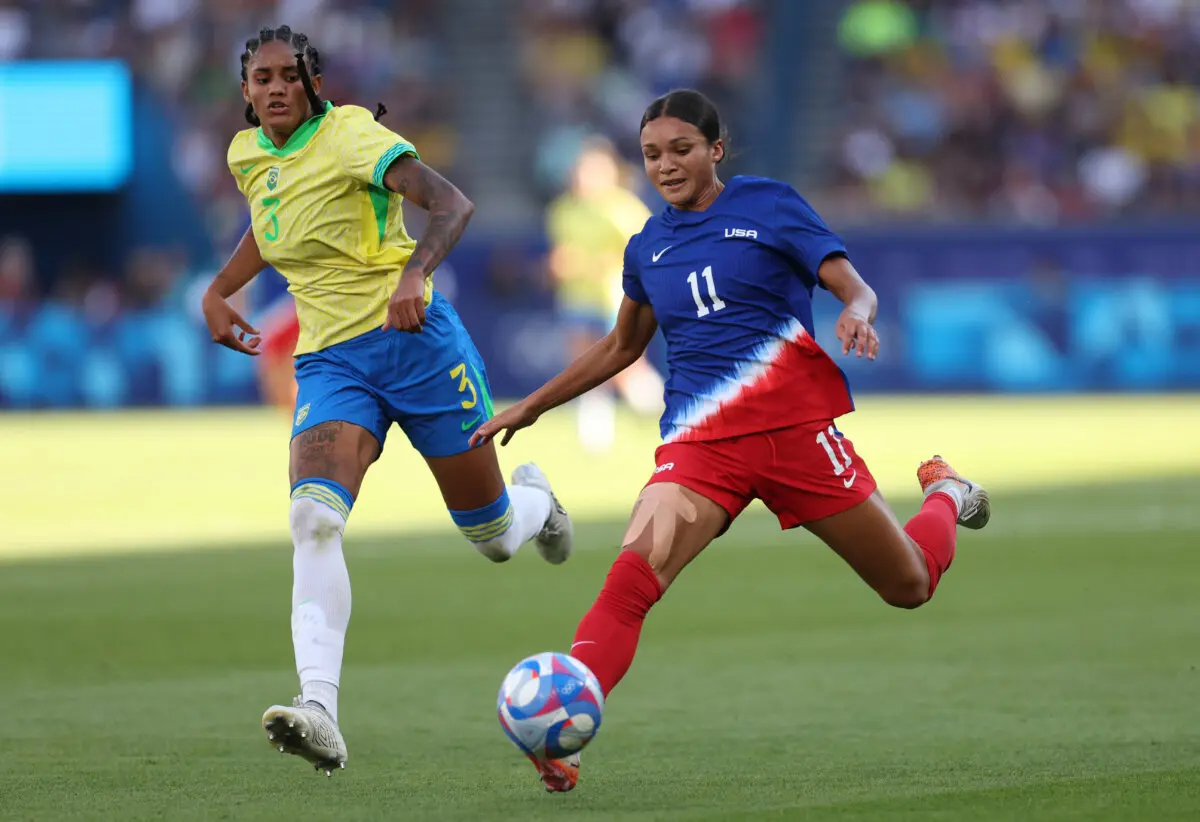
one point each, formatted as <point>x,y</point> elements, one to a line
<point>702,310</point>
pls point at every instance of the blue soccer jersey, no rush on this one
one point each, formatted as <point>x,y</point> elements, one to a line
<point>732,290</point>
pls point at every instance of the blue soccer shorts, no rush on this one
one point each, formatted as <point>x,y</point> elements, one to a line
<point>432,384</point>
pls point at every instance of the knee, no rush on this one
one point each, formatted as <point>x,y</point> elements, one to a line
<point>314,523</point>
<point>655,562</point>
<point>907,591</point>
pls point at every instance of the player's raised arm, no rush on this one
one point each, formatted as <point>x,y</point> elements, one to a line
<point>618,350</point>
<point>449,212</point>
<point>244,265</point>
<point>855,327</point>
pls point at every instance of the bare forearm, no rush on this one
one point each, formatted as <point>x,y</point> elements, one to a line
<point>449,210</point>
<point>845,283</point>
<point>244,265</point>
<point>596,366</point>
<point>862,301</point>
<point>446,225</point>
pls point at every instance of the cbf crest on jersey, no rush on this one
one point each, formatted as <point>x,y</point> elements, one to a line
<point>272,178</point>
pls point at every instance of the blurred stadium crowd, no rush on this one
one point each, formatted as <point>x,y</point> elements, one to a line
<point>1033,112</point>
<point>589,66</point>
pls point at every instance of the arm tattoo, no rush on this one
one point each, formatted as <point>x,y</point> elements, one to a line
<point>449,210</point>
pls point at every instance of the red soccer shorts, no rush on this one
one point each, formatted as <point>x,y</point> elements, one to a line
<point>802,474</point>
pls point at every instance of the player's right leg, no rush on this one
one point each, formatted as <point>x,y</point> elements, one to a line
<point>679,512</point>
<point>338,432</point>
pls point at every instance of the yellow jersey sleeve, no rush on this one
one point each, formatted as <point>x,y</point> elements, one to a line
<point>240,158</point>
<point>366,148</point>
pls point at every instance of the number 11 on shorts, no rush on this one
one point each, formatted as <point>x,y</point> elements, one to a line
<point>839,467</point>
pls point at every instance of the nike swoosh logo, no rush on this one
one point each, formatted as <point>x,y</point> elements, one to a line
<point>582,642</point>
<point>247,169</point>
<point>853,477</point>
<point>654,257</point>
<point>470,422</point>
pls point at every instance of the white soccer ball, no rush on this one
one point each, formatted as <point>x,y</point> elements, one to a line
<point>550,705</point>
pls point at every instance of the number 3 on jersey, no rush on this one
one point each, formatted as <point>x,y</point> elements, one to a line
<point>702,310</point>
<point>271,234</point>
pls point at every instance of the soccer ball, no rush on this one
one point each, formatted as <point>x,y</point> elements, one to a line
<point>550,705</point>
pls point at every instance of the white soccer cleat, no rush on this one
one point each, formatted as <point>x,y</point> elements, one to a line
<point>555,540</point>
<point>307,730</point>
<point>974,506</point>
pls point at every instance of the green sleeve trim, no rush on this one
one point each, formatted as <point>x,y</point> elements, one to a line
<point>390,156</point>
<point>380,203</point>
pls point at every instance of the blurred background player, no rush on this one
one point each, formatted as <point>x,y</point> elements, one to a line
<point>727,270</point>
<point>319,180</point>
<point>588,226</point>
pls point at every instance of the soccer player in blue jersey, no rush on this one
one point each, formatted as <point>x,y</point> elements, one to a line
<point>727,270</point>
<point>377,346</point>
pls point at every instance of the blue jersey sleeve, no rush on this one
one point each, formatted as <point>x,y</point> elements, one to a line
<point>631,277</point>
<point>802,235</point>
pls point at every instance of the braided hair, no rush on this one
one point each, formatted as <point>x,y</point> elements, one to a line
<point>308,65</point>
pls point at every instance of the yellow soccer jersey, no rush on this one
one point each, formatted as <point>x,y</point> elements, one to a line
<point>593,232</point>
<point>324,220</point>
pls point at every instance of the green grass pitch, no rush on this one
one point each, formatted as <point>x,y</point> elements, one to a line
<point>1054,677</point>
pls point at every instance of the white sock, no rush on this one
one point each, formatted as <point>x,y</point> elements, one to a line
<point>530,508</point>
<point>320,600</point>
<point>952,488</point>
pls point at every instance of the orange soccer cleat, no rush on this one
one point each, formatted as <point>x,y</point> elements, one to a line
<point>558,775</point>
<point>974,507</point>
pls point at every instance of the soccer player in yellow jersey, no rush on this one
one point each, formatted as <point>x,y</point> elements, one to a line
<point>377,345</point>
<point>588,226</point>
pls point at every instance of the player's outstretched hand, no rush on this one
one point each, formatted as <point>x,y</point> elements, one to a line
<point>223,324</point>
<point>406,308</point>
<point>857,334</point>
<point>510,421</point>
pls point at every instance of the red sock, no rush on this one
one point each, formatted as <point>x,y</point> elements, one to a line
<point>934,529</point>
<point>607,638</point>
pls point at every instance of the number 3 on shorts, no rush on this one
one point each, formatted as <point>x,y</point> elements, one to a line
<point>839,467</point>
<point>459,372</point>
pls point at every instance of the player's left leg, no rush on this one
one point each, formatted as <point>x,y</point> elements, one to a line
<point>498,519</point>
<point>825,486</point>
<point>439,406</point>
